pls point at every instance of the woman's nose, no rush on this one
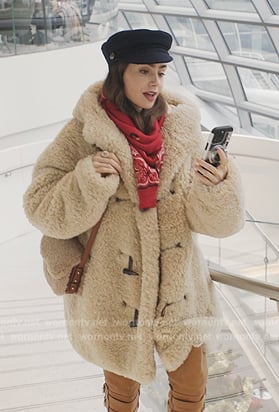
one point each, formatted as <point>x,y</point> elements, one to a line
<point>154,79</point>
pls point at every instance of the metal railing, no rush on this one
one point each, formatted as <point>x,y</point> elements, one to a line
<point>268,290</point>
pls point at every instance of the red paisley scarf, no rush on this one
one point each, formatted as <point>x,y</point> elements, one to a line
<point>147,151</point>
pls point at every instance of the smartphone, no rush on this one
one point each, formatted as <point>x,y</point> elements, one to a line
<point>219,137</point>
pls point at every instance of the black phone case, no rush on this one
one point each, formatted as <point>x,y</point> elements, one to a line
<point>219,137</point>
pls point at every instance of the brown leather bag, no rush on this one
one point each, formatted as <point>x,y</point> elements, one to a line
<point>64,261</point>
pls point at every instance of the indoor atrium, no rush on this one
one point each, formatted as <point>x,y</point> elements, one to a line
<point>226,60</point>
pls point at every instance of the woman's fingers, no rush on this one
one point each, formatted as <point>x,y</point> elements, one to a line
<point>223,164</point>
<point>206,172</point>
<point>106,163</point>
<point>209,174</point>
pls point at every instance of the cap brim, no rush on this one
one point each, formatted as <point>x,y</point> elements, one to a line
<point>151,56</point>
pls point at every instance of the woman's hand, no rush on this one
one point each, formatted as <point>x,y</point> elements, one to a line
<point>106,163</point>
<point>209,174</point>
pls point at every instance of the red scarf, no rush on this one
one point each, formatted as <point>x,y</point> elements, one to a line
<point>147,151</point>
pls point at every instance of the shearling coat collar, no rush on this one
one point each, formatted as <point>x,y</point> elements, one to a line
<point>180,142</point>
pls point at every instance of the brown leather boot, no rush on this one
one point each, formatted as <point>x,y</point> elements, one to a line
<point>121,394</point>
<point>188,383</point>
<point>179,405</point>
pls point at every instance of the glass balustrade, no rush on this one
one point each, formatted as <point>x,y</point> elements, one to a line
<point>250,346</point>
<point>253,252</point>
<point>29,26</point>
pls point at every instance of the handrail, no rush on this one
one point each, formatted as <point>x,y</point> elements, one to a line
<point>262,222</point>
<point>268,290</point>
<point>10,171</point>
<point>263,235</point>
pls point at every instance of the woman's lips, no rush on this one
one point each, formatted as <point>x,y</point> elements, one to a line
<point>150,96</point>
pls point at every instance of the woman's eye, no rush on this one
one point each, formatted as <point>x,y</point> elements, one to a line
<point>145,71</point>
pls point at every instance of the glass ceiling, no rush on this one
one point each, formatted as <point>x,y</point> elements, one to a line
<point>244,5</point>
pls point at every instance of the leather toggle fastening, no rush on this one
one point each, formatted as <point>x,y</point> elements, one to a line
<point>134,322</point>
<point>129,270</point>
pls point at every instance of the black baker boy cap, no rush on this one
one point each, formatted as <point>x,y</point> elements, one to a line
<point>140,46</point>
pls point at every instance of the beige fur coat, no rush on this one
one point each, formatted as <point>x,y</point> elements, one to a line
<point>147,286</point>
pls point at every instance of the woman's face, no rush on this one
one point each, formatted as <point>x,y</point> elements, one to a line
<point>143,83</point>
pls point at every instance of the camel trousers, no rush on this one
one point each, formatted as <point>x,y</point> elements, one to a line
<point>187,387</point>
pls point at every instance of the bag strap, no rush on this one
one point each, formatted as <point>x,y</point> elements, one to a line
<point>86,253</point>
<point>77,271</point>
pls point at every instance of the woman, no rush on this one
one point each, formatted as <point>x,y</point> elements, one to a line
<point>133,154</point>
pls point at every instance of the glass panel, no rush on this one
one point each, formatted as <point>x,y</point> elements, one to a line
<point>235,5</point>
<point>248,40</point>
<point>269,127</point>
<point>228,112</point>
<point>260,241</point>
<point>7,32</point>
<point>230,109</point>
<point>208,75</point>
<point>41,25</point>
<point>45,26</point>
<point>253,253</point>
<point>275,5</point>
<point>190,33</point>
<point>23,11</point>
<point>133,1</point>
<point>100,17</point>
<point>177,3</point>
<point>259,316</point>
<point>140,20</point>
<point>260,87</point>
<point>15,24</point>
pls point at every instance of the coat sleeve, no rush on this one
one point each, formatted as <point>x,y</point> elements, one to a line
<point>219,210</point>
<point>66,196</point>
<point>216,210</point>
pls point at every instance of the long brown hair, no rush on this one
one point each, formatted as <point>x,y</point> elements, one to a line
<point>113,89</point>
